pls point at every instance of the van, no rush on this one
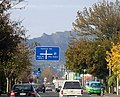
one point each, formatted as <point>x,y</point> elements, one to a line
<point>71,88</point>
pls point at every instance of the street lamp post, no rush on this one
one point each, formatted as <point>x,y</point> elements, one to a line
<point>83,80</point>
<point>108,68</point>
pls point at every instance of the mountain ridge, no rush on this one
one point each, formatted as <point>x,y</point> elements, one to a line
<point>59,39</point>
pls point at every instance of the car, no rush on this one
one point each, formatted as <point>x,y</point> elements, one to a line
<point>94,87</point>
<point>71,88</point>
<point>48,88</point>
<point>23,90</point>
<point>58,88</point>
<point>40,88</point>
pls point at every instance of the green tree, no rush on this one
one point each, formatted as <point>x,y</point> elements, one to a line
<point>101,21</point>
<point>22,59</point>
<point>86,54</point>
<point>78,55</point>
<point>14,59</point>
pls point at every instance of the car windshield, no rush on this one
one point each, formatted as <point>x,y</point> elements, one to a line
<point>95,85</point>
<point>22,87</point>
<point>72,85</point>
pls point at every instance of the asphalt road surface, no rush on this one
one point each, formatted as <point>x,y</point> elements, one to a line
<point>54,94</point>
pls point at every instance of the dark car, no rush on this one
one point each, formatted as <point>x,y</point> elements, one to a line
<point>23,90</point>
<point>41,88</point>
<point>58,89</point>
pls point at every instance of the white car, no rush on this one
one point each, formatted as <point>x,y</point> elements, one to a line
<point>71,88</point>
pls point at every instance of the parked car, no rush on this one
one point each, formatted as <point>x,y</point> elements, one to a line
<point>94,87</point>
<point>23,90</point>
<point>71,88</point>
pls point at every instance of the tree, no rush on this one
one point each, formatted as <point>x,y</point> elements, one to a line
<point>77,55</point>
<point>113,59</point>
<point>48,73</point>
<point>10,36</point>
<point>101,20</point>
<point>6,5</point>
<point>13,59</point>
<point>97,66</point>
<point>86,54</point>
<point>22,60</point>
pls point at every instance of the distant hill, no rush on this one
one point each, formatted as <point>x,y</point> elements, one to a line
<point>60,39</point>
<point>56,39</point>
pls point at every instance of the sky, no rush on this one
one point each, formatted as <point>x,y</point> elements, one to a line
<point>49,16</point>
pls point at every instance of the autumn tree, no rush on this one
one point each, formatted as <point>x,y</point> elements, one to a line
<point>113,59</point>
<point>48,73</point>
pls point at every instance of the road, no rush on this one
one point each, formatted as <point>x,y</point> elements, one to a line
<point>49,94</point>
<point>54,94</point>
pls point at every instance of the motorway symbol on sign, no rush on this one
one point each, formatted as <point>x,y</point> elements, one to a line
<point>47,53</point>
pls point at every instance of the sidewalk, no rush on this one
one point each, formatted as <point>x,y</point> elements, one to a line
<point>3,95</point>
<point>111,95</point>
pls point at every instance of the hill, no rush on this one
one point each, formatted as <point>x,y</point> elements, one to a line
<point>59,39</point>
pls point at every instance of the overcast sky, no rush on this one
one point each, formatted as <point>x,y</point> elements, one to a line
<point>50,16</point>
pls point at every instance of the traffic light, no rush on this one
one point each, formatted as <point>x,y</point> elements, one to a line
<point>38,69</point>
<point>66,76</point>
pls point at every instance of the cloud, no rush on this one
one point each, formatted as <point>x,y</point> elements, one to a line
<point>53,6</point>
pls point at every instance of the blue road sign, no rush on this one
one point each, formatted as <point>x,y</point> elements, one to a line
<point>47,53</point>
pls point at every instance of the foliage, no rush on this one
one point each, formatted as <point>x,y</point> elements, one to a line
<point>48,73</point>
<point>15,54</point>
<point>6,5</point>
<point>111,80</point>
<point>77,55</point>
<point>22,61</point>
<point>87,54</point>
<point>113,59</point>
<point>102,20</point>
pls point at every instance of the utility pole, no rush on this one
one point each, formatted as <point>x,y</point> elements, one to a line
<point>117,90</point>
<point>109,76</point>
<point>83,82</point>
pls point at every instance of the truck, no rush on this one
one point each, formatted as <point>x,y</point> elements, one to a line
<point>71,88</point>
